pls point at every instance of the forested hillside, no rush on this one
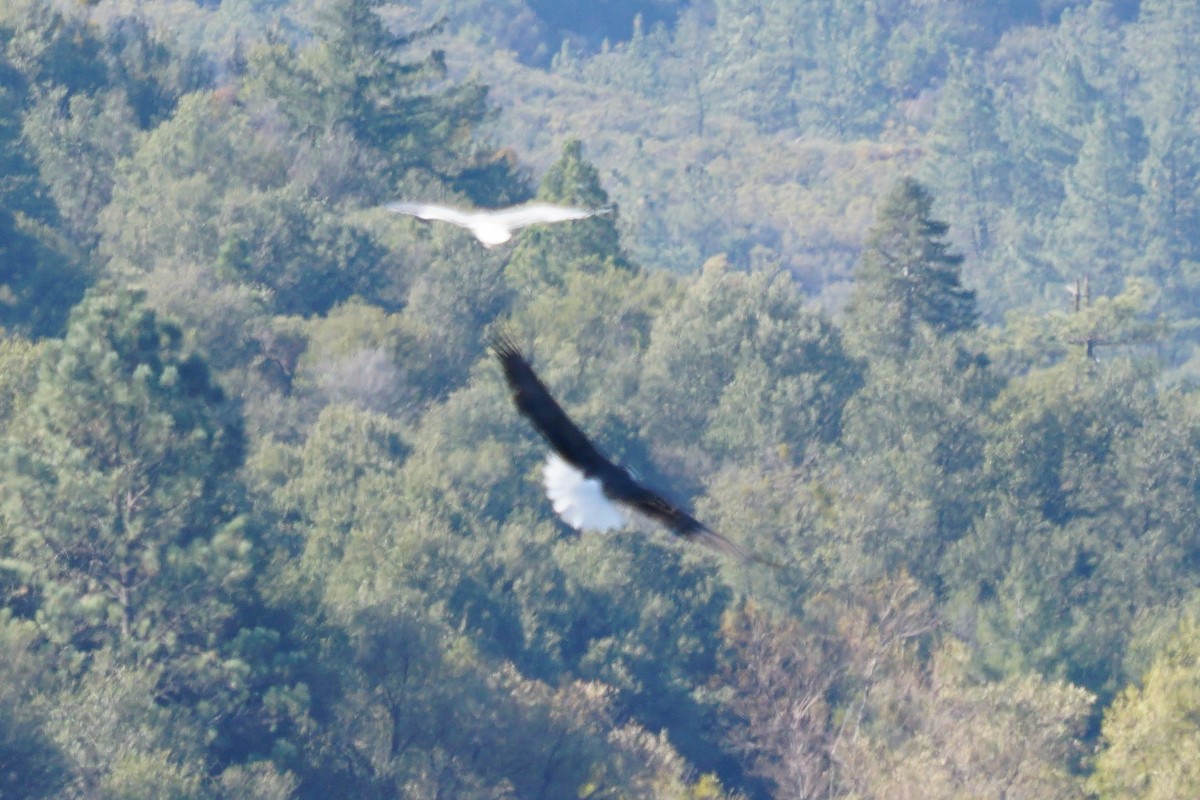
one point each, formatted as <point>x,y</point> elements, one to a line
<point>901,297</point>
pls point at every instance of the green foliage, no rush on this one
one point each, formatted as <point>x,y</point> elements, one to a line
<point>1149,733</point>
<point>378,601</point>
<point>18,374</point>
<point>1077,444</point>
<point>118,739</point>
<point>914,445</point>
<point>142,487</point>
<point>762,371</point>
<point>247,225</point>
<point>385,553</point>
<point>76,142</point>
<point>589,335</point>
<point>1123,323</point>
<point>1096,229</point>
<point>126,542</point>
<point>349,77</point>
<point>121,522</point>
<point>545,253</point>
<point>38,283</point>
<point>31,765</point>
<point>50,47</point>
<point>970,165</point>
<point>908,279</point>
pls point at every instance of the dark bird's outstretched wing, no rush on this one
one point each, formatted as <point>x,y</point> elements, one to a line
<point>535,403</point>
<point>622,488</point>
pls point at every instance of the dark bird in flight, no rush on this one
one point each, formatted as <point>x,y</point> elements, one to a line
<point>587,490</point>
<point>493,226</point>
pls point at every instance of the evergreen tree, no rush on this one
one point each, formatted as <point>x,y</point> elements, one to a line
<point>970,164</point>
<point>1043,128</point>
<point>764,373</point>
<point>845,93</point>
<point>120,521</point>
<point>1096,231</point>
<point>1095,33</point>
<point>37,283</point>
<point>1089,519</point>
<point>912,450</point>
<point>907,281</point>
<point>1170,105</point>
<point>1151,747</point>
<point>755,60</point>
<point>126,540</point>
<point>545,252</point>
<point>351,77</point>
<point>1062,104</point>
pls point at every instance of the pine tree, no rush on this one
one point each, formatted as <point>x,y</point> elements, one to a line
<point>846,88</point>
<point>1062,103</point>
<point>971,164</point>
<point>125,541</point>
<point>118,517</point>
<point>37,284</point>
<point>908,282</point>
<point>1043,129</point>
<point>1095,232</point>
<point>545,252</point>
<point>1151,743</point>
<point>351,77</point>
<point>753,61</point>
<point>1163,51</point>
<point>1094,33</point>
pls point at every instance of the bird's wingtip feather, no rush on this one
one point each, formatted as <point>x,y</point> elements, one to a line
<point>504,343</point>
<point>715,541</point>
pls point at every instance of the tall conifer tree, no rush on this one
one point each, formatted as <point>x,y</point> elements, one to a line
<point>1096,230</point>
<point>971,163</point>
<point>117,516</point>
<point>908,279</point>
<point>1164,40</point>
<point>545,252</point>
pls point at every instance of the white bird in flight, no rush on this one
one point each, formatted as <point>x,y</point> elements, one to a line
<point>493,226</point>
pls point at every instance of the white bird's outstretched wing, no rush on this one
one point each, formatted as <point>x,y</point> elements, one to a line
<point>433,211</point>
<point>493,226</point>
<point>533,213</point>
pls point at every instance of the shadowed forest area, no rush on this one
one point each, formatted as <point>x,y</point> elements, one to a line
<point>902,296</point>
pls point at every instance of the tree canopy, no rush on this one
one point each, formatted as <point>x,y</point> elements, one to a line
<point>899,297</point>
